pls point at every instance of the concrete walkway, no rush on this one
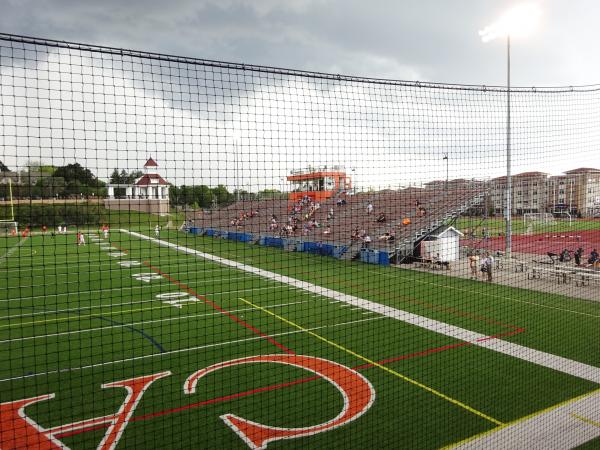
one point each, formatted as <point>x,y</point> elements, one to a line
<point>508,276</point>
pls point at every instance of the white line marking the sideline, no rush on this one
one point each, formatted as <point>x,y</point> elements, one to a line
<point>558,363</point>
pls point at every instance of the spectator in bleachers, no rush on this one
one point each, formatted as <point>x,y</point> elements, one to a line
<point>370,208</point>
<point>381,217</point>
<point>366,241</point>
<point>355,235</point>
<point>327,230</point>
<point>341,202</point>
<point>330,214</point>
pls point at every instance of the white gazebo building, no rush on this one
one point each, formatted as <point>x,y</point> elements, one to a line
<point>149,193</point>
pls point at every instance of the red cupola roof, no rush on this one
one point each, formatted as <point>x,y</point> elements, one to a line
<point>150,163</point>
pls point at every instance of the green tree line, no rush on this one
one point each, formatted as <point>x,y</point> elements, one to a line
<point>58,182</point>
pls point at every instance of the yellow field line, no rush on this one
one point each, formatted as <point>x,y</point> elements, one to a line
<point>586,420</point>
<point>380,366</point>
<point>522,419</point>
<point>87,316</point>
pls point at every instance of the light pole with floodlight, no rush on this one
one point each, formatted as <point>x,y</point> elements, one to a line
<point>446,158</point>
<point>518,21</point>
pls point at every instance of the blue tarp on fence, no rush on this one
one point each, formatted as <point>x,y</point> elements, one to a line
<point>271,241</point>
<point>241,237</point>
<point>318,248</point>
<point>375,257</point>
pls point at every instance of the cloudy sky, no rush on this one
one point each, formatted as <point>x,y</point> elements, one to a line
<point>431,40</point>
<point>406,40</point>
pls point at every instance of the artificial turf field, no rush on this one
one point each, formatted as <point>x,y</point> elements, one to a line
<point>77,317</point>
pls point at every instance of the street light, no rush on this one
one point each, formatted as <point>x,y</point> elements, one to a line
<point>446,158</point>
<point>236,137</point>
<point>520,21</point>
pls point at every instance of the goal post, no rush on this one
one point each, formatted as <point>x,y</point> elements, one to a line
<point>8,228</point>
<point>531,221</point>
<point>538,218</point>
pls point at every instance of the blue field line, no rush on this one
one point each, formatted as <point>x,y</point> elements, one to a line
<point>145,335</point>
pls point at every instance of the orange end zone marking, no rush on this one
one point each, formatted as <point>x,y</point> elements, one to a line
<point>94,427</point>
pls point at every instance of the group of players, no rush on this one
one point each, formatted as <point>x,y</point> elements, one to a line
<point>80,236</point>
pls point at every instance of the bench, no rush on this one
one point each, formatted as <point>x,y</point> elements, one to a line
<point>433,263</point>
<point>584,277</point>
<point>563,276</point>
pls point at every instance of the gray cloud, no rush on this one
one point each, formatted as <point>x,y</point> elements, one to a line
<point>435,40</point>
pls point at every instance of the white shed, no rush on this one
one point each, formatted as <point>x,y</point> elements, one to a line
<point>444,246</point>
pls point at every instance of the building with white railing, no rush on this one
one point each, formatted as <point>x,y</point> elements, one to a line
<point>149,193</point>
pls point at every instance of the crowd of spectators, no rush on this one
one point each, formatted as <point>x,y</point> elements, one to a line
<point>243,217</point>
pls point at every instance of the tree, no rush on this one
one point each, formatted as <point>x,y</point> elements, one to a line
<point>115,177</point>
<point>223,195</point>
<point>134,176</point>
<point>51,187</point>
<point>3,168</point>
<point>75,174</point>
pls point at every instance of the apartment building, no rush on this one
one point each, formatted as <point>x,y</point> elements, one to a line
<point>529,193</point>
<point>576,191</point>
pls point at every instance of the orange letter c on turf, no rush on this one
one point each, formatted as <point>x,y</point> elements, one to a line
<point>357,391</point>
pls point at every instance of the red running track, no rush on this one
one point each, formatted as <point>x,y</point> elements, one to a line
<point>540,244</point>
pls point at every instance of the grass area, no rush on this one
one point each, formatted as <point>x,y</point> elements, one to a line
<point>519,226</point>
<point>73,318</point>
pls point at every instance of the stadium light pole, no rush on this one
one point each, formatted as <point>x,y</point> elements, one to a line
<point>446,158</point>
<point>236,138</point>
<point>518,21</point>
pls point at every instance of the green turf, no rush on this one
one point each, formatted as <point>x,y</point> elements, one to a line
<point>496,225</point>
<point>73,319</point>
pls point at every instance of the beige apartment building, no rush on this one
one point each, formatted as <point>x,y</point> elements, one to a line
<point>576,191</point>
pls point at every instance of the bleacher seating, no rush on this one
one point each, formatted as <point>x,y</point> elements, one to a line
<point>439,207</point>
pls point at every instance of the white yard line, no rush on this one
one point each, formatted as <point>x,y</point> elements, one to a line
<point>141,287</point>
<point>544,359</point>
<point>83,265</point>
<point>182,350</point>
<point>143,322</point>
<point>11,250</point>
<point>79,282</point>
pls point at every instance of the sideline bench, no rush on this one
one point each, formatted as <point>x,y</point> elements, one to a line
<point>563,275</point>
<point>432,263</point>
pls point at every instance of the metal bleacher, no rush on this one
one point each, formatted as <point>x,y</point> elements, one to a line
<point>397,206</point>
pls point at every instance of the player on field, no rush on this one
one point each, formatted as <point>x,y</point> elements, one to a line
<point>80,239</point>
<point>105,231</point>
<point>157,230</point>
